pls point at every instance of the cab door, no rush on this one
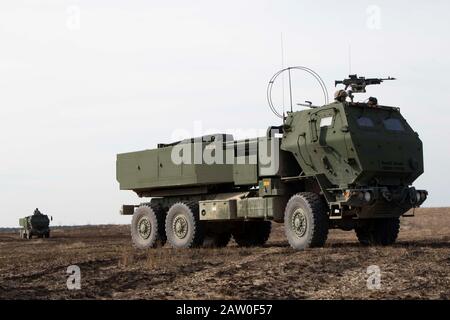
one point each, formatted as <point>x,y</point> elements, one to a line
<point>328,144</point>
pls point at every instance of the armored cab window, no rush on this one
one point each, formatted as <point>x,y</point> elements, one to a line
<point>393,124</point>
<point>365,122</point>
<point>326,121</point>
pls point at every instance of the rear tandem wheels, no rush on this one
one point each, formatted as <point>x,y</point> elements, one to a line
<point>182,228</point>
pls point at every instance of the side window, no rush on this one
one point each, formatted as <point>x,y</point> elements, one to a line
<point>393,124</point>
<point>326,122</point>
<point>365,122</point>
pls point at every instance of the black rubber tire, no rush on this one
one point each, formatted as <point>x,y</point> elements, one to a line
<point>363,234</point>
<point>313,208</point>
<point>47,235</point>
<point>252,233</point>
<point>378,232</point>
<point>29,236</point>
<point>157,236</point>
<point>188,212</point>
<point>217,240</point>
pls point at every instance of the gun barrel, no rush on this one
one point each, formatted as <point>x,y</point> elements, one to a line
<point>358,84</point>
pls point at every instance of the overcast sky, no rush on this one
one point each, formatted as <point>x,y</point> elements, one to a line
<point>83,80</point>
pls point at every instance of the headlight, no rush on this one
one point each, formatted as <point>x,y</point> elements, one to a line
<point>418,196</point>
<point>367,196</point>
<point>423,196</point>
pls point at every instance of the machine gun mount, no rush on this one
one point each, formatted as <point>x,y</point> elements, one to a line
<point>358,84</point>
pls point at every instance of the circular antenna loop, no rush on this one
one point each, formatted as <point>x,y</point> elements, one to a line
<point>305,69</point>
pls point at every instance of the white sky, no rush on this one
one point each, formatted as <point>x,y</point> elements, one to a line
<point>73,95</point>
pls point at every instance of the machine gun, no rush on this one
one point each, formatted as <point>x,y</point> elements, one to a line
<point>358,84</point>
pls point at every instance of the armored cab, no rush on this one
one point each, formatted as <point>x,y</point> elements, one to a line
<point>37,225</point>
<point>344,165</point>
<point>364,157</point>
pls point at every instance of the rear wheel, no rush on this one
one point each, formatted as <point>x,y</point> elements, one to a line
<point>183,226</point>
<point>147,227</point>
<point>306,221</point>
<point>252,233</point>
<point>381,232</point>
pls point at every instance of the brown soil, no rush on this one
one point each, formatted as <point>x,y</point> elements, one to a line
<point>418,266</point>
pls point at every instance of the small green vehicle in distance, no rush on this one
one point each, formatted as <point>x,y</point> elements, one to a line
<point>37,225</point>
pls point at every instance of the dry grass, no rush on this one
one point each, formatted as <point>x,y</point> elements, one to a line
<point>418,266</point>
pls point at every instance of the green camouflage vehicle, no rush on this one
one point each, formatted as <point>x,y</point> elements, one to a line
<point>35,225</point>
<point>347,165</point>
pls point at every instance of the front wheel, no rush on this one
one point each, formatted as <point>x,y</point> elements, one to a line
<point>306,221</point>
<point>378,232</point>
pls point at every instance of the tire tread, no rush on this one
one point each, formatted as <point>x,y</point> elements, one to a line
<point>318,209</point>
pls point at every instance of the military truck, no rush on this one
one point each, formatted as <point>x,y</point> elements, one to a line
<point>347,165</point>
<point>35,225</point>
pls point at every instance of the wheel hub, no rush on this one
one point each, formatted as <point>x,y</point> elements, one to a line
<point>180,226</point>
<point>299,222</point>
<point>144,228</point>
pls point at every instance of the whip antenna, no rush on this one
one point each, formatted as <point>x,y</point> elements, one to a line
<point>349,58</point>
<point>282,67</point>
